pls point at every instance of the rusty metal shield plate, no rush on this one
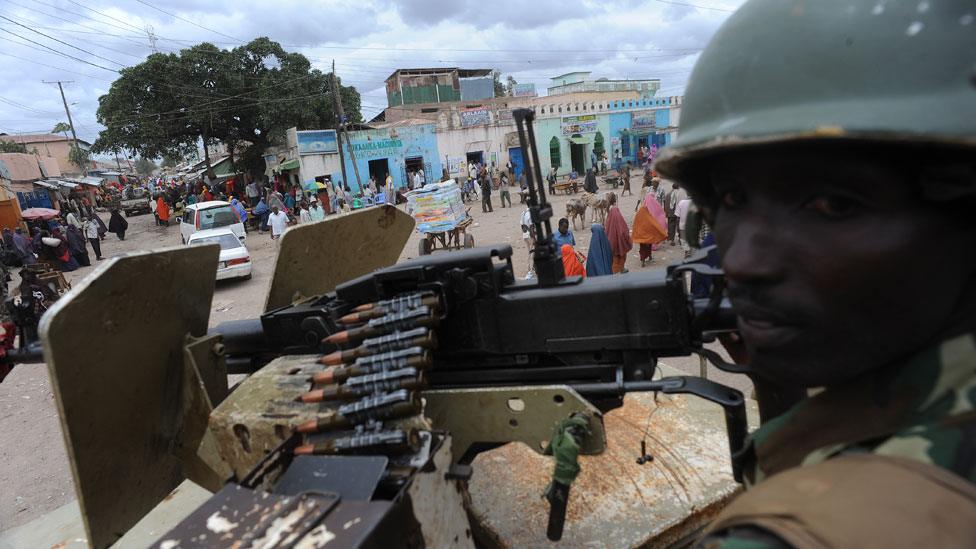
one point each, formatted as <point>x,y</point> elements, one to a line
<point>114,350</point>
<point>316,257</point>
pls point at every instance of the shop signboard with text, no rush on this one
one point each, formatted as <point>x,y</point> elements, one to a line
<point>578,124</point>
<point>475,117</point>
<point>644,121</point>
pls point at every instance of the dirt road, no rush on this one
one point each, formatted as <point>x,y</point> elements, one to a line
<point>34,474</point>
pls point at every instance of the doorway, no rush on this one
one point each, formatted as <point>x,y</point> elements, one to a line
<point>378,169</point>
<point>476,157</point>
<point>518,163</point>
<point>414,164</point>
<point>577,155</point>
<point>642,142</point>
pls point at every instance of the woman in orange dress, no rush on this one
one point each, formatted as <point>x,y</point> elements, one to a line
<point>571,263</point>
<point>619,235</point>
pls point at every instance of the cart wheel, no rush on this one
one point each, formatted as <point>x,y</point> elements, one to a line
<point>424,247</point>
<point>468,240</point>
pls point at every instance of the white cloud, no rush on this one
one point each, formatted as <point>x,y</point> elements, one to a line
<point>368,39</point>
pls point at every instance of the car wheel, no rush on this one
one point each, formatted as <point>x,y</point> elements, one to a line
<point>127,213</point>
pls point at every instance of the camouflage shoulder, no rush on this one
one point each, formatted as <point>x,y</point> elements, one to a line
<point>945,431</point>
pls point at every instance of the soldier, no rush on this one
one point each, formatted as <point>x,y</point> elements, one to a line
<point>840,185</point>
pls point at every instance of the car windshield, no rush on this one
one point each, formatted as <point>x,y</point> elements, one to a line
<point>218,216</point>
<point>226,241</point>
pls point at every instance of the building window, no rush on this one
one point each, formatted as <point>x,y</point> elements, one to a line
<point>598,144</point>
<point>584,106</point>
<point>560,108</point>
<point>601,106</point>
<point>554,159</point>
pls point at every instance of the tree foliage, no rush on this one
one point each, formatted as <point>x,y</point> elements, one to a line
<point>248,95</point>
<point>79,157</point>
<point>144,166</point>
<point>61,127</point>
<point>169,162</point>
<point>11,147</point>
<point>503,88</point>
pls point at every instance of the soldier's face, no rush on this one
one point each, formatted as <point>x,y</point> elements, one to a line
<point>835,265</point>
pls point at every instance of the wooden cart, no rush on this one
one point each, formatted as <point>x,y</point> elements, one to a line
<point>570,186</point>
<point>453,239</point>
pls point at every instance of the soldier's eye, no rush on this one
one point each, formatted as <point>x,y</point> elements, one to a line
<point>834,206</point>
<point>732,198</point>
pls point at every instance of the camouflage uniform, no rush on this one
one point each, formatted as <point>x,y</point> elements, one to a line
<point>922,409</point>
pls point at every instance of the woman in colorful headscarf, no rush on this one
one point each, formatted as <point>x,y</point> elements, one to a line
<point>619,235</point>
<point>571,264</point>
<point>599,260</point>
<point>650,227</point>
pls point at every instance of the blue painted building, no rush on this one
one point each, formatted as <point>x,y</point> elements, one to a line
<point>397,150</point>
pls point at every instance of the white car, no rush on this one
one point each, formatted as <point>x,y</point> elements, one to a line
<point>235,261</point>
<point>210,215</point>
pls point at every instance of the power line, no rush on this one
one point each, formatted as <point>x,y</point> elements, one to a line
<point>99,13</point>
<point>195,24</point>
<point>45,65</point>
<point>65,20</point>
<point>58,41</point>
<point>59,52</point>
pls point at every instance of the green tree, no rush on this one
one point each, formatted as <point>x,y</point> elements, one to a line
<point>79,157</point>
<point>496,77</point>
<point>510,84</point>
<point>62,128</point>
<point>11,147</point>
<point>168,104</point>
<point>169,162</point>
<point>144,166</point>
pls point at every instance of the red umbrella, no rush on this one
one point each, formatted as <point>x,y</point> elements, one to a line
<point>39,213</point>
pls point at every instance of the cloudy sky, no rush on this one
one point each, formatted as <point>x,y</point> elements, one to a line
<point>85,41</point>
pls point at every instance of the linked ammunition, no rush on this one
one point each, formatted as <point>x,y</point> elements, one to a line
<point>421,316</point>
<point>407,378</point>
<point>397,404</point>
<point>376,311</point>
<point>393,441</point>
<point>409,301</point>
<point>418,337</point>
<point>414,357</point>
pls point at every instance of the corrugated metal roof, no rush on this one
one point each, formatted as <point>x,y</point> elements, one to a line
<point>19,167</point>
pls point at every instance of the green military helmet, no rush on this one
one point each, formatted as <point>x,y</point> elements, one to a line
<point>782,71</point>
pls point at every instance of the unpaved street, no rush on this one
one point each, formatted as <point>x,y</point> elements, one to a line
<point>34,472</point>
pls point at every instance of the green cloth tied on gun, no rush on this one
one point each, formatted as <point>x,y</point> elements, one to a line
<point>565,447</point>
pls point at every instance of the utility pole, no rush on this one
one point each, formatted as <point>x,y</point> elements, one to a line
<point>67,111</point>
<point>342,126</point>
<point>152,38</point>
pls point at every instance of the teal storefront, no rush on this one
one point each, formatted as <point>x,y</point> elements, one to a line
<point>397,151</point>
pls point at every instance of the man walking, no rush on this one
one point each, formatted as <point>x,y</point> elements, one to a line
<point>278,221</point>
<point>671,210</point>
<point>91,233</point>
<point>504,187</point>
<point>252,193</point>
<point>485,192</point>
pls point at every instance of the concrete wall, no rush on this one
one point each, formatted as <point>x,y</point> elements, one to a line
<point>316,165</point>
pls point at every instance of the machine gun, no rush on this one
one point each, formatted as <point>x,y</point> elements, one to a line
<point>365,399</point>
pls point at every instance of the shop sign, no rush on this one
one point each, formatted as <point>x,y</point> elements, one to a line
<point>524,90</point>
<point>578,124</point>
<point>317,142</point>
<point>505,115</point>
<point>377,148</point>
<point>475,117</point>
<point>644,121</point>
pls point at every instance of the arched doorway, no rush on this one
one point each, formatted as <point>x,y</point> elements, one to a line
<point>555,158</point>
